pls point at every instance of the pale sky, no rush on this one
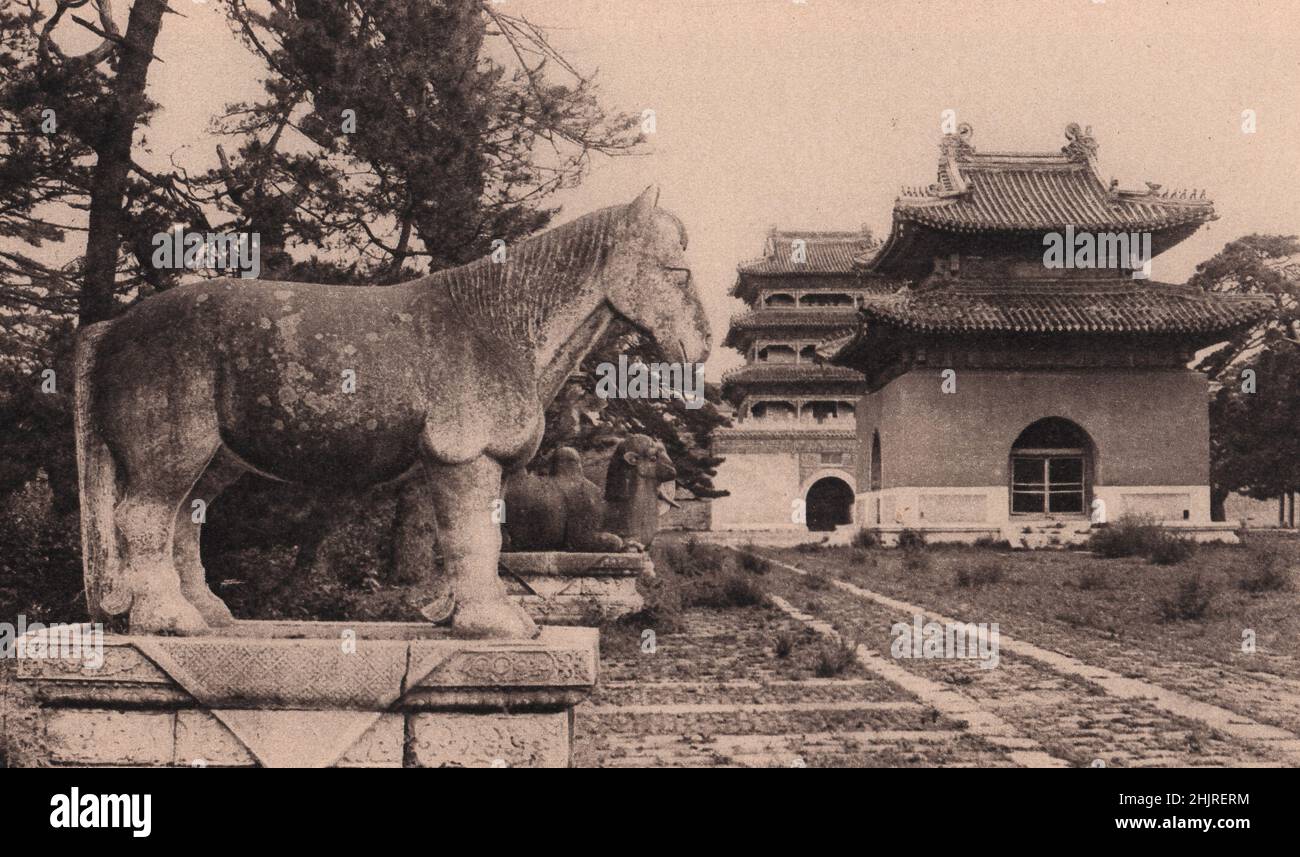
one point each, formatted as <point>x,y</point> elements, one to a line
<point>812,114</point>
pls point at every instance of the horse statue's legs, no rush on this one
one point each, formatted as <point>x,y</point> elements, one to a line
<point>157,481</point>
<point>222,472</point>
<point>464,497</point>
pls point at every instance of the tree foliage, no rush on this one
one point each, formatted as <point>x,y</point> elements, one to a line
<point>582,419</point>
<point>1255,409</point>
<point>1266,265</point>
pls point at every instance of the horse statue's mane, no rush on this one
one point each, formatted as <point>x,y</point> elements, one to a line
<point>539,275</point>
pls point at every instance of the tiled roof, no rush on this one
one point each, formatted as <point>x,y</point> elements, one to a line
<point>1032,191</point>
<point>824,252</point>
<point>759,319</point>
<point>792,372</point>
<point>1053,308</point>
<point>807,321</point>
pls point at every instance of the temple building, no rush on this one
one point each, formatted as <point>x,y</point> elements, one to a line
<point>1021,374</point>
<point>791,456</point>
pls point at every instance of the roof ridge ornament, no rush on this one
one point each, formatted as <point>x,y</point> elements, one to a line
<point>1082,146</point>
<point>953,149</point>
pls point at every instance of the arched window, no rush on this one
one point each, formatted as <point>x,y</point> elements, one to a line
<point>875,461</point>
<point>1051,469</point>
<point>779,300</point>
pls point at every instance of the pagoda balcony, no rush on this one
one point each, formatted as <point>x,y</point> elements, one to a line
<point>790,372</point>
<point>801,424</point>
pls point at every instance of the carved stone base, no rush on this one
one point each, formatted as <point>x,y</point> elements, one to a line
<point>575,588</point>
<point>300,694</point>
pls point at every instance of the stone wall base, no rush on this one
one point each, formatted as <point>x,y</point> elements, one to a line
<point>297,694</point>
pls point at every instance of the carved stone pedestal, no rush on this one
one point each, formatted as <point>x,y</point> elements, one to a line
<point>301,694</point>
<point>575,588</point>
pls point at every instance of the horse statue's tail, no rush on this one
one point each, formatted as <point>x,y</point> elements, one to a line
<point>106,591</point>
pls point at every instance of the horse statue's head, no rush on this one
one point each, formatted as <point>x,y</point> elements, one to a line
<point>649,284</point>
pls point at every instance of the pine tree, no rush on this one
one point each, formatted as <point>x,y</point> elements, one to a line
<point>1255,407</point>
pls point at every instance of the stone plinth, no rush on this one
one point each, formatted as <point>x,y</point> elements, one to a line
<point>575,588</point>
<point>302,694</point>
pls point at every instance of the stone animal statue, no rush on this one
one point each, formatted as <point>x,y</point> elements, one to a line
<point>639,466</point>
<point>562,511</point>
<point>345,386</point>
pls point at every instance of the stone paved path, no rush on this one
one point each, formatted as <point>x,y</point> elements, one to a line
<point>717,693</point>
<point>1073,710</point>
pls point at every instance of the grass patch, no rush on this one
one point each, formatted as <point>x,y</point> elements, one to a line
<point>1093,579</point>
<point>1190,601</point>
<point>695,557</point>
<point>1172,550</point>
<point>1046,595</point>
<point>911,539</point>
<point>865,539</point>
<point>833,658</point>
<point>982,574</point>
<point>784,646</point>
<point>751,562</point>
<point>727,592</point>
<point>1265,570</point>
<point>917,559</point>
<point>1140,535</point>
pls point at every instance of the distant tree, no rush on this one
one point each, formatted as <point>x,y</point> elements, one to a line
<point>1253,435</point>
<point>1266,265</point>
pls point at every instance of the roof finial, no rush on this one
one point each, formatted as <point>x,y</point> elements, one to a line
<point>1082,145</point>
<point>957,145</point>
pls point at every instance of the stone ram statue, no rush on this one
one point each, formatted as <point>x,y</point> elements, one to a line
<point>564,511</point>
<point>639,466</point>
<point>345,386</point>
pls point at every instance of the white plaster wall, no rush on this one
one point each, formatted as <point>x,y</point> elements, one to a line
<point>902,506</point>
<point>1165,502</point>
<point>763,488</point>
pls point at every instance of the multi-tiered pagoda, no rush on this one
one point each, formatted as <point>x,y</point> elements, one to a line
<point>790,457</point>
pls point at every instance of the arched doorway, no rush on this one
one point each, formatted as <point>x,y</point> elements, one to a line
<point>1052,467</point>
<point>829,504</point>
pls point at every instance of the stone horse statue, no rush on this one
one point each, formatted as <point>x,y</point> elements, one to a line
<point>353,386</point>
